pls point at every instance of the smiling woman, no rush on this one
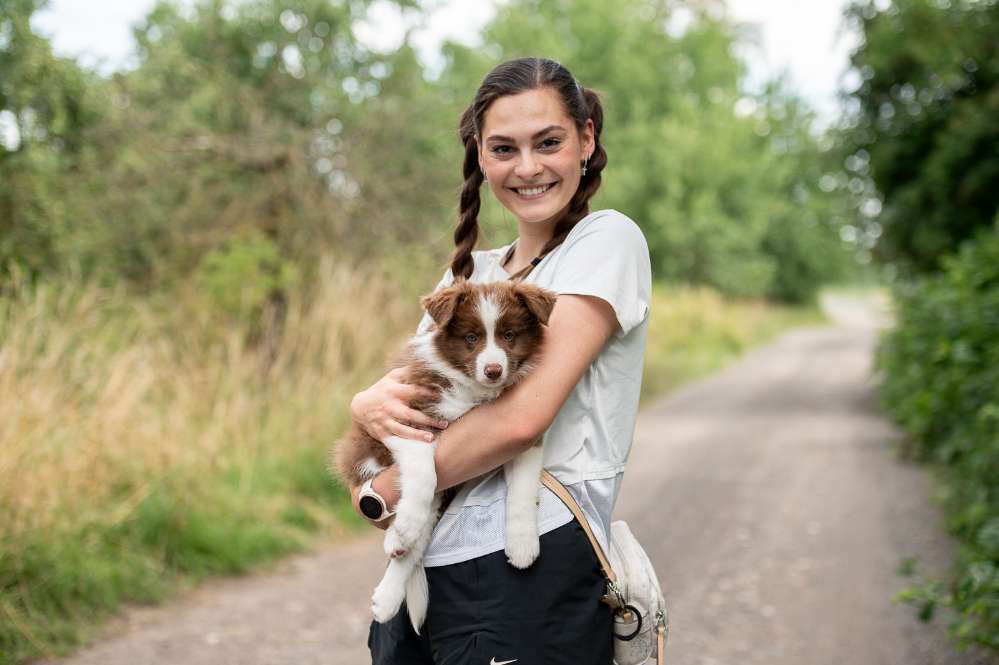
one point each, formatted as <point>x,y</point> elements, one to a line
<point>498,581</point>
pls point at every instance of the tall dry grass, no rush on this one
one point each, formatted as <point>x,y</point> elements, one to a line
<point>101,393</point>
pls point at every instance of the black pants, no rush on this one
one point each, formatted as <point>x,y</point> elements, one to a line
<point>486,611</point>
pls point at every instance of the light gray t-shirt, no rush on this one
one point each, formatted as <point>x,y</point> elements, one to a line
<point>586,447</point>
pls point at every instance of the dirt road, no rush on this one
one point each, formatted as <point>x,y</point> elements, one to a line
<point>768,496</point>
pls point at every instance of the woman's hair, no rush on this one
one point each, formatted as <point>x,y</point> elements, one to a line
<point>511,78</point>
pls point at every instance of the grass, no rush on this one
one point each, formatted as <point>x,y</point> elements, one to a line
<point>147,444</point>
<point>695,331</point>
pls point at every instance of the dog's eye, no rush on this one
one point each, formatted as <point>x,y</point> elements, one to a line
<point>509,335</point>
<point>471,338</point>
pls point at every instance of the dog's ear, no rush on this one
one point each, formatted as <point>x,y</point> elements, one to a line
<point>537,300</point>
<point>441,304</point>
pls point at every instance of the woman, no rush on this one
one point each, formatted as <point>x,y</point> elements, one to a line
<point>533,133</point>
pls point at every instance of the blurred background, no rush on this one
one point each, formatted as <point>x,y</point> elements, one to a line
<point>216,218</point>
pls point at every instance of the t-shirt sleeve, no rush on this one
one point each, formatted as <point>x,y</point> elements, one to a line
<point>426,321</point>
<point>609,259</point>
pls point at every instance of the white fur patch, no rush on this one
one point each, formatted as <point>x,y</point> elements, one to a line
<point>369,468</point>
<point>489,313</point>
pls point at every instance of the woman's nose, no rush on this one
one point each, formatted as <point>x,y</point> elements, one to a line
<point>528,166</point>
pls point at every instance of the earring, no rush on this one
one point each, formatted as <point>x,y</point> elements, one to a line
<point>585,162</point>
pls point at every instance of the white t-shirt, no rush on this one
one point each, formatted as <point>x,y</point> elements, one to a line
<point>586,447</point>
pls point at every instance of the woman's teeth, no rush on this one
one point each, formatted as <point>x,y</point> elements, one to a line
<point>534,191</point>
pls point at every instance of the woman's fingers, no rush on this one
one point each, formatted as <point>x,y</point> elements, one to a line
<point>411,433</point>
<point>409,392</point>
<point>416,418</point>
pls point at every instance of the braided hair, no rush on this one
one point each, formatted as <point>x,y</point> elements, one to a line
<point>511,78</point>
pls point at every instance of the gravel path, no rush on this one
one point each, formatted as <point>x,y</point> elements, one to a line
<point>768,496</point>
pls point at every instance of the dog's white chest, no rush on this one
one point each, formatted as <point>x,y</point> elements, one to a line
<point>457,400</point>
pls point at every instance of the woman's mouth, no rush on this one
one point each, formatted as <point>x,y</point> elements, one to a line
<point>533,192</point>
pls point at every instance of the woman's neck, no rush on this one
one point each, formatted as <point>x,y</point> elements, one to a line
<point>530,242</point>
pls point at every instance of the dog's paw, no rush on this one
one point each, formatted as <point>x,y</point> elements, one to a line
<point>394,547</point>
<point>522,549</point>
<point>387,600</point>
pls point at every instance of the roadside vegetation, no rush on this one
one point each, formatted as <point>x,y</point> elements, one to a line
<point>923,144</point>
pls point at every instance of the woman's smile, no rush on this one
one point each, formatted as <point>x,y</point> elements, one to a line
<point>534,192</point>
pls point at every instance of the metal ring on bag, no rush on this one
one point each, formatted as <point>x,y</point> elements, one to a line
<point>638,628</point>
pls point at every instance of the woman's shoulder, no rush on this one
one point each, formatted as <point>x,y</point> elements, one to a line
<point>608,226</point>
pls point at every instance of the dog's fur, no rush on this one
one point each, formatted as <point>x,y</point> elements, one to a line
<point>484,339</point>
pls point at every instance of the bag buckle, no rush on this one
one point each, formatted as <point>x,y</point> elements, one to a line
<point>614,596</point>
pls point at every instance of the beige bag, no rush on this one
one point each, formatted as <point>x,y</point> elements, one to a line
<point>641,621</point>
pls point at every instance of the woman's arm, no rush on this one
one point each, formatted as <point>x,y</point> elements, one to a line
<point>493,433</point>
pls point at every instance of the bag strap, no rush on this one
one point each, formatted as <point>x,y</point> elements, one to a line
<point>559,490</point>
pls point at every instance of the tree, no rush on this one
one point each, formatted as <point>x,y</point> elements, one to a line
<point>45,108</point>
<point>925,121</point>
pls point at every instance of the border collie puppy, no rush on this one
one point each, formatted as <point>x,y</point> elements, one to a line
<point>484,339</point>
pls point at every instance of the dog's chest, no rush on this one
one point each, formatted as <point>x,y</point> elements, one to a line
<point>457,400</point>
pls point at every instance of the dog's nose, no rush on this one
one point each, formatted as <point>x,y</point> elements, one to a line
<point>493,371</point>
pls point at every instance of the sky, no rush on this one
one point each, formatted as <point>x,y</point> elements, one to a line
<point>803,39</point>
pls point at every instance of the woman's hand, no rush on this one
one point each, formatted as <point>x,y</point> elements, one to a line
<point>383,410</point>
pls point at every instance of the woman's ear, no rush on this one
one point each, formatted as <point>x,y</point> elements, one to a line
<point>587,142</point>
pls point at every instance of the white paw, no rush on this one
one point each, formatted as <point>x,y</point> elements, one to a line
<point>522,549</point>
<point>386,601</point>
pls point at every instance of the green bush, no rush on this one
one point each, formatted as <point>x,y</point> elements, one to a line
<point>941,382</point>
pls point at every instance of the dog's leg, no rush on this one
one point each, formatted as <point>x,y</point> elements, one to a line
<point>523,475</point>
<point>405,579</point>
<point>417,593</point>
<point>417,483</point>
<point>391,591</point>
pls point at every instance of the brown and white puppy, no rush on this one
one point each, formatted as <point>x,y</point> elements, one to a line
<point>484,339</point>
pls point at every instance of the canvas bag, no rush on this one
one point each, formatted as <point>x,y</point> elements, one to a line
<point>641,620</point>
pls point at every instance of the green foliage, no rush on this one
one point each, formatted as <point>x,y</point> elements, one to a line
<point>941,369</point>
<point>46,104</point>
<point>268,119</point>
<point>926,114</point>
<point>56,585</point>
<point>244,274</point>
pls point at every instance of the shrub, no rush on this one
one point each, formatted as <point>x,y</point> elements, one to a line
<point>941,382</point>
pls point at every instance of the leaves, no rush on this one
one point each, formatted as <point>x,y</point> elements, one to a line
<point>941,369</point>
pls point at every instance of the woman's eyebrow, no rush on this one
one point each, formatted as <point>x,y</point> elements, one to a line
<point>497,137</point>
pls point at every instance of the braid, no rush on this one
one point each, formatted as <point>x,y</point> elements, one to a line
<point>579,206</point>
<point>467,232</point>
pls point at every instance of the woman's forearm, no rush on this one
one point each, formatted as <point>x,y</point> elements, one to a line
<point>485,438</point>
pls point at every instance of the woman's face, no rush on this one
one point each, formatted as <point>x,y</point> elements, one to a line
<point>530,152</point>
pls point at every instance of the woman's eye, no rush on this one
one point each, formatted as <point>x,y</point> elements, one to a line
<point>471,338</point>
<point>550,143</point>
<point>509,335</point>
<point>501,149</point>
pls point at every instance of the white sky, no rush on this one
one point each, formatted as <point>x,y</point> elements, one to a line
<point>800,37</point>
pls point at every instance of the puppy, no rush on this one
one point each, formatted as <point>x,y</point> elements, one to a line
<point>484,339</point>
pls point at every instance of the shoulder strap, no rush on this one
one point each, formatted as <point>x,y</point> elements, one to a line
<point>552,483</point>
